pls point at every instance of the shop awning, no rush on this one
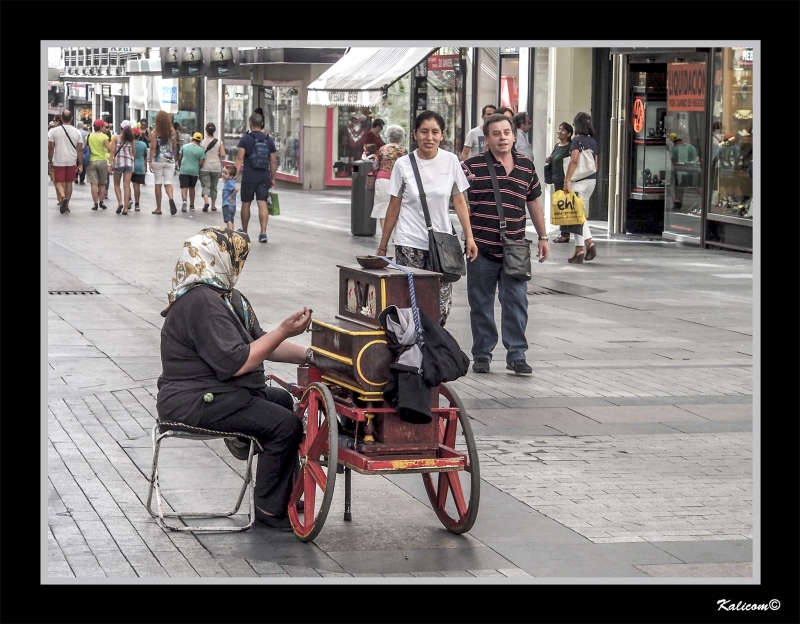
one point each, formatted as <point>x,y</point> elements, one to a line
<point>363,74</point>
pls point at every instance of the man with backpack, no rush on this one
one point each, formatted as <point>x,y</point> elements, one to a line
<point>256,161</point>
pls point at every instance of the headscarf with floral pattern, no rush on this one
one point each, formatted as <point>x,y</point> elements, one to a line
<point>214,257</point>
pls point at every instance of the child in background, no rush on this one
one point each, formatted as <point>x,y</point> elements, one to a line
<point>229,195</point>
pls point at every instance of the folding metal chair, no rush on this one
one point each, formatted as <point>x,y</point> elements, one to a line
<point>166,429</point>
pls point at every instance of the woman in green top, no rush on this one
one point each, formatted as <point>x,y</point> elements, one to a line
<point>555,160</point>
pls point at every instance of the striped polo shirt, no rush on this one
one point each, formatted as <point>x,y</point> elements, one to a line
<point>519,186</point>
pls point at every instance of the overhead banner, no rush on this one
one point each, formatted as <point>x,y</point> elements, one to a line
<point>686,86</point>
<point>221,62</point>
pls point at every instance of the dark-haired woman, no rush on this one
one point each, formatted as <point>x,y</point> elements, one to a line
<point>556,162</point>
<point>442,178</point>
<point>585,249</point>
<point>211,170</point>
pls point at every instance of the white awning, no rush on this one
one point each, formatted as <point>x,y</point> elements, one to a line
<point>363,74</point>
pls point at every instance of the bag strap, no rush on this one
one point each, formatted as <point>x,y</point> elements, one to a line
<point>497,199</point>
<point>413,295</point>
<point>421,191</point>
<point>69,138</point>
<point>210,145</point>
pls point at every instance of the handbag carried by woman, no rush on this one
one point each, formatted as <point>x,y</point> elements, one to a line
<point>445,254</point>
<point>585,166</point>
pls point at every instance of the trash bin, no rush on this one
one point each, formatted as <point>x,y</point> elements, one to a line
<point>361,200</point>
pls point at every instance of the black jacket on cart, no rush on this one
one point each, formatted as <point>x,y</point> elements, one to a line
<point>408,387</point>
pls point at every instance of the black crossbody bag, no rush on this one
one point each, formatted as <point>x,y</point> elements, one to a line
<point>516,254</point>
<point>445,254</point>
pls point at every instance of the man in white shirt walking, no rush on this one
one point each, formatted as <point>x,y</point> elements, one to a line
<point>474,141</point>
<point>64,157</point>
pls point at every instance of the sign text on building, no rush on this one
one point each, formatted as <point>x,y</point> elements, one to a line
<point>686,86</point>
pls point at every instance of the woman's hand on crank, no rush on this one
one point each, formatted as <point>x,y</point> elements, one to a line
<point>297,323</point>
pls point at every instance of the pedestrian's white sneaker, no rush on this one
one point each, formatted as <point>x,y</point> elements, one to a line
<point>183,206</point>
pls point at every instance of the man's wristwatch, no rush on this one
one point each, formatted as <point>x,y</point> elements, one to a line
<point>309,355</point>
<point>542,238</point>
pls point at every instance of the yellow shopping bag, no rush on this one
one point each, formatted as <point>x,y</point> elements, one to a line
<point>567,209</point>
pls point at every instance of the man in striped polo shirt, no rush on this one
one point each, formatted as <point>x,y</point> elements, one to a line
<point>519,187</point>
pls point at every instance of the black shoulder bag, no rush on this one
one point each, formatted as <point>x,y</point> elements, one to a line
<point>210,145</point>
<point>445,254</point>
<point>516,254</point>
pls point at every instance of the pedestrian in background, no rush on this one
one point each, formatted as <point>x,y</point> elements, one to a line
<point>257,162</point>
<point>229,195</point>
<point>519,188</point>
<point>442,178</point>
<point>190,159</point>
<point>140,149</point>
<point>81,177</point>
<point>374,136</point>
<point>585,249</point>
<point>522,122</point>
<point>124,157</point>
<point>97,173</point>
<point>473,142</point>
<point>64,157</point>
<point>163,147</point>
<point>556,162</point>
<point>54,124</point>
<point>211,170</point>
<point>387,157</point>
<point>505,110</point>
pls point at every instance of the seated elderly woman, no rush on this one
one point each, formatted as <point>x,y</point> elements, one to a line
<point>212,355</point>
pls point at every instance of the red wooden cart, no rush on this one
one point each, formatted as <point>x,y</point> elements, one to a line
<point>349,426</point>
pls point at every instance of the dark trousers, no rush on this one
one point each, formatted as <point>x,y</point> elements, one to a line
<point>269,418</point>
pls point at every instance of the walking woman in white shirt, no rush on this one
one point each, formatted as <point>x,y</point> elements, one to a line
<point>442,178</point>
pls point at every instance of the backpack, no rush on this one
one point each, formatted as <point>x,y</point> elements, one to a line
<point>259,157</point>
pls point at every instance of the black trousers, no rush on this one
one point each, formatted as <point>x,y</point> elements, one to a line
<point>270,418</point>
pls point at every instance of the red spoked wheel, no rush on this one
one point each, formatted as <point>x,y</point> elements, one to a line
<point>455,495</point>
<point>318,455</point>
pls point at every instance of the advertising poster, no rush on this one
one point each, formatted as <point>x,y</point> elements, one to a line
<point>221,62</point>
<point>211,62</point>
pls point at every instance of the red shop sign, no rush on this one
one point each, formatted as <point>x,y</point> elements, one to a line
<point>686,86</point>
<point>443,61</point>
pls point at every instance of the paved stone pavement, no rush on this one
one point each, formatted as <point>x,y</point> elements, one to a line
<point>628,454</point>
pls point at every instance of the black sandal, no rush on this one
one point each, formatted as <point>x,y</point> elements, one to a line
<point>561,238</point>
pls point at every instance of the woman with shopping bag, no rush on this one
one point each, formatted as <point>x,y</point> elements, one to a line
<point>580,177</point>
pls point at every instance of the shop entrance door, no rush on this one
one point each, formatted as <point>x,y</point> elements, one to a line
<point>647,148</point>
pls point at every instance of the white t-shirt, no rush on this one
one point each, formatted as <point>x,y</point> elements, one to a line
<point>442,177</point>
<point>475,141</point>
<point>64,154</point>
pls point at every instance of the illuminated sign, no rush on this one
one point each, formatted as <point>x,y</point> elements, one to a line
<point>638,115</point>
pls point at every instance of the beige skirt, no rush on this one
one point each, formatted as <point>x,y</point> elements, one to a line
<point>382,198</point>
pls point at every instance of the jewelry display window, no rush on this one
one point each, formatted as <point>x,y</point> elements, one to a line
<point>732,140</point>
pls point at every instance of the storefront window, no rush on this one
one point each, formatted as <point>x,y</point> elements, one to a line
<point>281,104</point>
<point>187,104</point>
<point>509,81</point>
<point>685,134</point>
<point>731,205</point>
<point>487,80</point>
<point>236,109</point>
<point>445,94</point>
<point>348,124</point>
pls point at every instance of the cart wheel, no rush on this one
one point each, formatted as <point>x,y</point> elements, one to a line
<point>446,490</point>
<point>319,451</point>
